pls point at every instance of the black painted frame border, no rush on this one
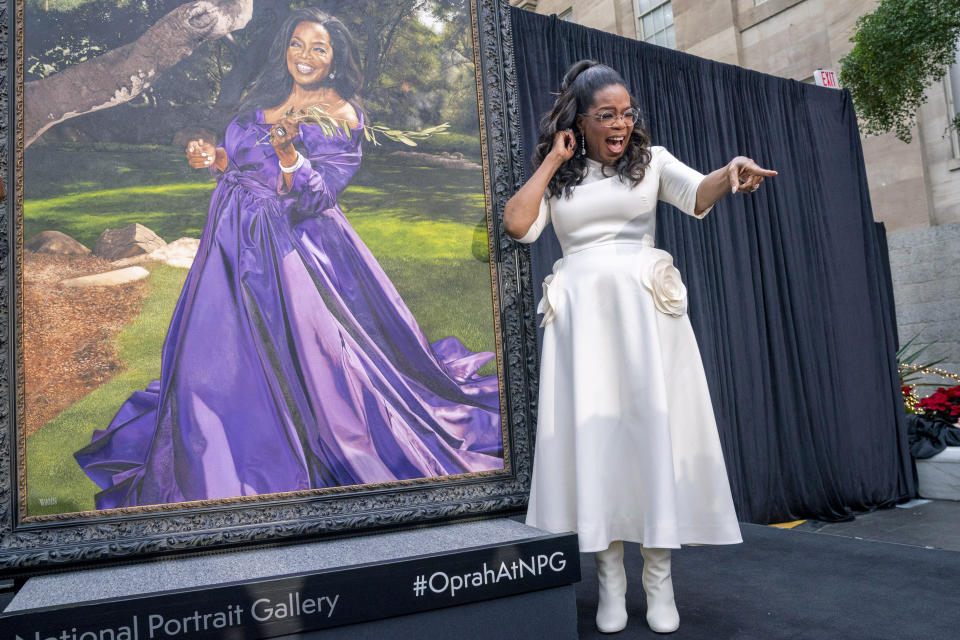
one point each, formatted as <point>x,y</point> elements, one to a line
<point>53,542</point>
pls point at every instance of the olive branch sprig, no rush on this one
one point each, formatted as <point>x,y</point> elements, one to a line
<point>332,126</point>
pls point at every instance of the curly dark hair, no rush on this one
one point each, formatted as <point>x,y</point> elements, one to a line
<point>580,84</point>
<point>275,81</point>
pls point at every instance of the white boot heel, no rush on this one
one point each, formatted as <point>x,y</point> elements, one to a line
<point>662,614</point>
<point>612,608</point>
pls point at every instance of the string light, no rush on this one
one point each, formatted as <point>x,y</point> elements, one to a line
<point>933,370</point>
<point>912,399</point>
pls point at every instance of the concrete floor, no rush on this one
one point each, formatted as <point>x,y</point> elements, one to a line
<point>933,524</point>
<point>912,528</point>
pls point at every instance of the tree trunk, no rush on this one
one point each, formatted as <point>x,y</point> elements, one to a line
<point>121,74</point>
<point>371,55</point>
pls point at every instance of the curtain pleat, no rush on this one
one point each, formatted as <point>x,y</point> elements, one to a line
<point>789,289</point>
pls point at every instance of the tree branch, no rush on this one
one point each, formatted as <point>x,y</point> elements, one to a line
<point>121,74</point>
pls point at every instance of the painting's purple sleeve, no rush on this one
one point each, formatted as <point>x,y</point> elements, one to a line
<point>330,162</point>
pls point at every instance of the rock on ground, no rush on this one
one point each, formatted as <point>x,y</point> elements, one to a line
<point>132,240</point>
<point>179,253</point>
<point>55,242</point>
<point>183,137</point>
<point>109,278</point>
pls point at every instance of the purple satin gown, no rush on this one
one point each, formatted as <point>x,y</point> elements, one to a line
<point>291,361</point>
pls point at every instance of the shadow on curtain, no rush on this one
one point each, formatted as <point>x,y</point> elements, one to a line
<point>789,288</point>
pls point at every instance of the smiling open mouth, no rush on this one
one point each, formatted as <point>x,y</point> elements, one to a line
<point>304,68</point>
<point>615,144</point>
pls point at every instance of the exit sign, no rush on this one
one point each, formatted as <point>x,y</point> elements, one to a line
<point>825,78</point>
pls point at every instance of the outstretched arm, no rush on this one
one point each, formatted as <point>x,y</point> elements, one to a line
<point>740,175</point>
<point>522,209</point>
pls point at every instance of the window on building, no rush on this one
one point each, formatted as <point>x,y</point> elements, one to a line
<point>952,85</point>
<point>567,16</point>
<point>656,23</point>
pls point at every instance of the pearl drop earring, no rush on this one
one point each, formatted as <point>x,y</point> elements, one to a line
<point>583,144</point>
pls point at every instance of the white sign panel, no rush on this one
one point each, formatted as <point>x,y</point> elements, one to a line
<point>825,78</point>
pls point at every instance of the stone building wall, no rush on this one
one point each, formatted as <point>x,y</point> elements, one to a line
<point>925,265</point>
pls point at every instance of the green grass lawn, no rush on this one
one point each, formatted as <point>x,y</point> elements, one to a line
<point>425,224</point>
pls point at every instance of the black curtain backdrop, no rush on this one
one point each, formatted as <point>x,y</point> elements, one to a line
<point>789,287</point>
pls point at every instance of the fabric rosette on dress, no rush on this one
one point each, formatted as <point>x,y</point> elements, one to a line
<point>550,302</point>
<point>663,280</point>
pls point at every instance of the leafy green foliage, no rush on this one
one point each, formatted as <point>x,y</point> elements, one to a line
<point>332,127</point>
<point>910,371</point>
<point>899,50</point>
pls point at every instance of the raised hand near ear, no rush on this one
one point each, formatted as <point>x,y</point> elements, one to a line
<point>564,144</point>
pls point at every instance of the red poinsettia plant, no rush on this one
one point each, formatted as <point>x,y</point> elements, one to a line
<point>943,405</point>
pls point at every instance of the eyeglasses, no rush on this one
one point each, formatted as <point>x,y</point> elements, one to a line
<point>610,119</point>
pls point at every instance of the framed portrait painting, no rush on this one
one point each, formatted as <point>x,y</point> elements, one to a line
<point>256,286</point>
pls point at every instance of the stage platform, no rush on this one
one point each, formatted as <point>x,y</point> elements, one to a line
<point>814,582</point>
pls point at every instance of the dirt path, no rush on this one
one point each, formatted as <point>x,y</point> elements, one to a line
<point>69,333</point>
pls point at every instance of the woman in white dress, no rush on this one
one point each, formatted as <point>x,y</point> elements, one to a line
<point>627,444</point>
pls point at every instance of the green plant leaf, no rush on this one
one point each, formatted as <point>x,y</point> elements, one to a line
<point>900,49</point>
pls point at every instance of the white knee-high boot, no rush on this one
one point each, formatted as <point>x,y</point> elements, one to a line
<point>612,608</point>
<point>662,615</point>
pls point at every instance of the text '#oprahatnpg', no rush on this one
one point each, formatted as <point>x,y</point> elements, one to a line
<point>443,582</point>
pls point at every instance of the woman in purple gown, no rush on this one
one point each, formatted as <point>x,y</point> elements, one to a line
<point>291,361</point>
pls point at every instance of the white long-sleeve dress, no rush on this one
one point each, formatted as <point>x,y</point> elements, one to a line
<point>627,445</point>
